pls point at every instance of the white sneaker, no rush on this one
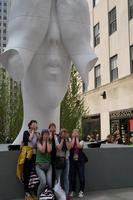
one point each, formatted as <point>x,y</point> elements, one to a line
<point>72,194</point>
<point>81,194</point>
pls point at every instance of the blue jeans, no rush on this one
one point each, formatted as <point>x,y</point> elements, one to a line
<point>45,177</point>
<point>65,173</point>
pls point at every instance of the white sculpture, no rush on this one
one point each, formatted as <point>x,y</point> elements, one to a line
<point>44,37</point>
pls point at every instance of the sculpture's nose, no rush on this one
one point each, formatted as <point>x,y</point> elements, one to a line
<point>53,29</point>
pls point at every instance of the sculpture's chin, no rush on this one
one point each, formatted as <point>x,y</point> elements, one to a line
<point>52,98</point>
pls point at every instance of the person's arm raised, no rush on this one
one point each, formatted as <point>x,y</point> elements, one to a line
<point>59,145</point>
<point>49,146</point>
<point>42,147</point>
<point>68,144</point>
<point>79,145</point>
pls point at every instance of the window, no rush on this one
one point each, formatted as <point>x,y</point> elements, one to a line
<point>130,5</point>
<point>4,45</point>
<point>5,4</point>
<point>4,38</point>
<point>131,58</point>
<point>83,87</point>
<point>4,17</point>
<point>4,30</point>
<point>5,11</point>
<point>112,21</point>
<point>113,68</point>
<point>96,34</point>
<point>97,76</point>
<point>4,24</point>
<point>95,2</point>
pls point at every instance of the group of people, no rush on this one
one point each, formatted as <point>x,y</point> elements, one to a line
<point>116,138</point>
<point>55,157</point>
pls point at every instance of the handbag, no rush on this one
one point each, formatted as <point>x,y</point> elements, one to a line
<point>85,158</point>
<point>47,194</point>
<point>44,166</point>
<point>59,192</point>
<point>34,180</point>
<point>60,162</point>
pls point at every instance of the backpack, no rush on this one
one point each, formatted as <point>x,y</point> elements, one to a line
<point>47,194</point>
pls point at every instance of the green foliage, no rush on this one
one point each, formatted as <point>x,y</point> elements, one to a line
<point>16,109</point>
<point>72,106</point>
<point>4,102</point>
<point>11,107</point>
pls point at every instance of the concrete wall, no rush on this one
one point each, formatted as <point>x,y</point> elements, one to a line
<point>106,169</point>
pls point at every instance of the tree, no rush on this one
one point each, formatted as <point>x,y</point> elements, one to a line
<point>11,107</point>
<point>4,105</point>
<point>72,106</point>
<point>16,108</point>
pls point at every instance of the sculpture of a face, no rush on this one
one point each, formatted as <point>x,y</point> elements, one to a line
<point>29,23</point>
<point>50,68</point>
<point>44,36</point>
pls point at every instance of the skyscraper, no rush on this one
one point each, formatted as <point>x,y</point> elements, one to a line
<point>4,14</point>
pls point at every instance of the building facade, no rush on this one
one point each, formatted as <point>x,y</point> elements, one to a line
<point>110,90</point>
<point>4,15</point>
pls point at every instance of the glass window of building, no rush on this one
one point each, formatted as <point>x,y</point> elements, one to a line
<point>4,17</point>
<point>131,58</point>
<point>130,3</point>
<point>5,4</point>
<point>96,34</point>
<point>97,76</point>
<point>4,38</point>
<point>113,68</point>
<point>4,30</point>
<point>112,21</point>
<point>5,11</point>
<point>95,2</point>
<point>83,87</point>
<point>4,45</point>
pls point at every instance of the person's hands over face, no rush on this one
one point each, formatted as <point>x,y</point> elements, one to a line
<point>46,137</point>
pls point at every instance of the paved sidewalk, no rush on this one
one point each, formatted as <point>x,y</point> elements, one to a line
<point>117,194</point>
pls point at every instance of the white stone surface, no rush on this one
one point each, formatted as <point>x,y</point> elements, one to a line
<point>44,37</point>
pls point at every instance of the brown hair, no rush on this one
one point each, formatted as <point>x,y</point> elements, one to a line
<point>30,123</point>
<point>63,130</point>
<point>52,124</point>
<point>42,134</point>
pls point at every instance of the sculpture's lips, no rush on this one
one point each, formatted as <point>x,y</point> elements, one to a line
<point>53,73</point>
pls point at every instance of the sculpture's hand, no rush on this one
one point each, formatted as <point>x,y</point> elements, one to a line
<point>74,24</point>
<point>28,24</point>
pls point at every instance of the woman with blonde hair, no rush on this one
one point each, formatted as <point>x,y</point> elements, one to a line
<point>77,164</point>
